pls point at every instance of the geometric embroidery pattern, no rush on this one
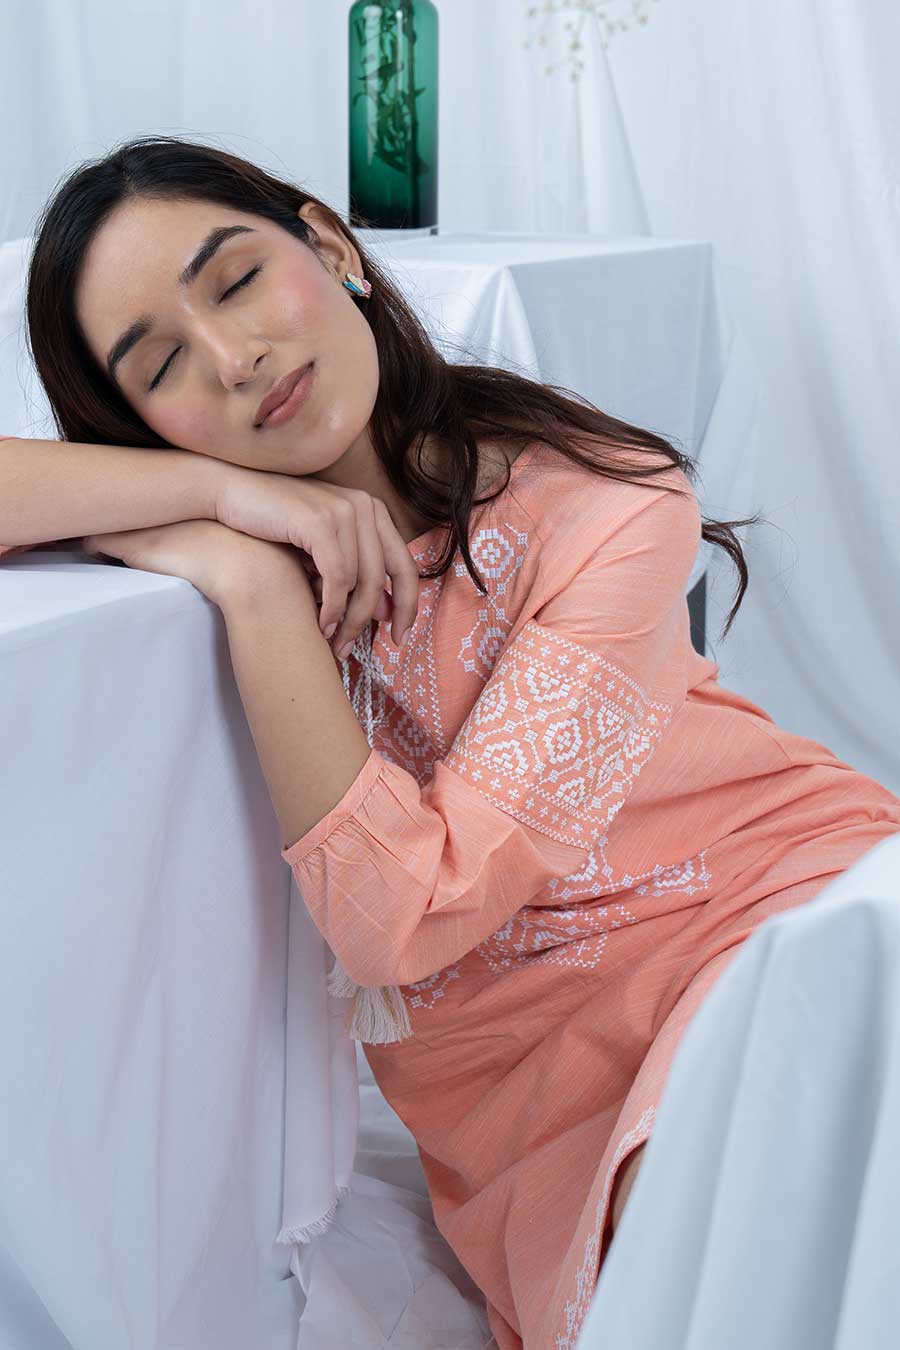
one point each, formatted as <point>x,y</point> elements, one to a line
<point>595,877</point>
<point>410,715</point>
<point>558,736</point>
<point>498,553</point>
<point>687,877</point>
<point>585,1280</point>
<point>425,993</point>
<point>408,727</point>
<point>573,936</point>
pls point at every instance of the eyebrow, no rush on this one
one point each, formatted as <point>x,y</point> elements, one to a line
<point>144,326</point>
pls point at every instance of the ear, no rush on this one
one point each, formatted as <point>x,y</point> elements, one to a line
<point>336,253</point>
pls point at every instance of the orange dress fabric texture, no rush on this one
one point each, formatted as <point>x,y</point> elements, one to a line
<point>563,833</point>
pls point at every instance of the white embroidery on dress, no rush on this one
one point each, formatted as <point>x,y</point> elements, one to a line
<point>556,741</point>
<point>409,732</point>
<point>572,935</point>
<point>498,553</point>
<point>689,876</point>
<point>429,990</point>
<point>595,877</point>
<point>585,1281</point>
<point>538,935</point>
<point>558,736</point>
<point>412,730</point>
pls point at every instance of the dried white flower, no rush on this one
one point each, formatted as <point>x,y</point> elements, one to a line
<point>607,14</point>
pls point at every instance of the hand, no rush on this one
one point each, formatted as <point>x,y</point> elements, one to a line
<point>204,552</point>
<point>348,538</point>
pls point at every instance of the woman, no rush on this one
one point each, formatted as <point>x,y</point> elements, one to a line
<point>557,828</point>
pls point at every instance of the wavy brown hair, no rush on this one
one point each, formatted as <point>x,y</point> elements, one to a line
<point>420,393</point>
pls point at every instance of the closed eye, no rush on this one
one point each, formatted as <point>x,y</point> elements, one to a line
<point>244,281</point>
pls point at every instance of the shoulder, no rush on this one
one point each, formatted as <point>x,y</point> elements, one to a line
<point>575,509</point>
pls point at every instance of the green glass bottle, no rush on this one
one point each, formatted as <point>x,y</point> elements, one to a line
<point>393,52</point>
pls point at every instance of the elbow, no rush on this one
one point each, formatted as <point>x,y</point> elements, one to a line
<point>376,969</point>
<point>370,969</point>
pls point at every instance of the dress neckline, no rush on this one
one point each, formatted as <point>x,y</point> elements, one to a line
<point>423,540</point>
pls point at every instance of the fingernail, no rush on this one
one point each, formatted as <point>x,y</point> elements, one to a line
<point>344,651</point>
<point>330,629</point>
<point>404,635</point>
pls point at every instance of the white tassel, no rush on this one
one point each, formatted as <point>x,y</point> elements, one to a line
<point>378,1016</point>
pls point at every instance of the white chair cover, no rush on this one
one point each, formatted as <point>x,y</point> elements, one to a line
<point>765,1212</point>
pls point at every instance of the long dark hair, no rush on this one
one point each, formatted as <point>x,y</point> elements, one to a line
<point>420,392</point>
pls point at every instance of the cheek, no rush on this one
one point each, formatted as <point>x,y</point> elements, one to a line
<point>191,430</point>
<point>289,313</point>
<point>302,305</point>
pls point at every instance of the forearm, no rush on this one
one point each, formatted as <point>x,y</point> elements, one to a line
<point>63,489</point>
<point>309,742</point>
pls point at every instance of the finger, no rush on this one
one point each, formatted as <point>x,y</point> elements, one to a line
<point>98,545</point>
<point>382,609</point>
<point>402,569</point>
<point>335,556</point>
<point>370,576</point>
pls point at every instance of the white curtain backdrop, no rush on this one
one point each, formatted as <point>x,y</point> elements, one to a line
<point>773,130</point>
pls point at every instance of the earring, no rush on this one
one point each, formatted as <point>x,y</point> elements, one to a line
<point>358,286</point>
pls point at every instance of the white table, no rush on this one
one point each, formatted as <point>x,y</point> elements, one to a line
<point>158,1126</point>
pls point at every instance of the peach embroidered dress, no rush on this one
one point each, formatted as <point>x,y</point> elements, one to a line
<point>564,831</point>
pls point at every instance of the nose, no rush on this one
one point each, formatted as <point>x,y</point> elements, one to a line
<point>235,358</point>
<point>238,367</point>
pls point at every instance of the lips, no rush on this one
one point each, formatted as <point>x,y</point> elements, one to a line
<point>278,393</point>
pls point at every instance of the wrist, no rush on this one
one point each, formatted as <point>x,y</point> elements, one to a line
<point>261,574</point>
<point>205,480</point>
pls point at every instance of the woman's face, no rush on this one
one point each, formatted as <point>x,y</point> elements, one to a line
<point>260,307</point>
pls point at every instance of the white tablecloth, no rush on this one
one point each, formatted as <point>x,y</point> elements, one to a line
<point>143,926</point>
<point>178,1091</point>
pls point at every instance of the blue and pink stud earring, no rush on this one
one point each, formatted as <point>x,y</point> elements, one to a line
<point>358,285</point>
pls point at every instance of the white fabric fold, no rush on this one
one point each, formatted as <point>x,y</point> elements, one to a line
<point>320,1068</point>
<point>765,1210</point>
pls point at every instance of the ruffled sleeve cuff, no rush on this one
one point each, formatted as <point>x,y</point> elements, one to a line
<point>345,809</point>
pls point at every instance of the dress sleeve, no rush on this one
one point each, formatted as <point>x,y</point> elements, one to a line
<point>403,879</point>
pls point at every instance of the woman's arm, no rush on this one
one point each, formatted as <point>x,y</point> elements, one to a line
<point>309,742</point>
<point>65,489</point>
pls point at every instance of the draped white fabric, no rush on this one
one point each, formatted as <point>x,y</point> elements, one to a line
<point>774,130</point>
<point>765,1209</point>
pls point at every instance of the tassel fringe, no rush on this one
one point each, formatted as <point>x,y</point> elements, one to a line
<point>378,1016</point>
